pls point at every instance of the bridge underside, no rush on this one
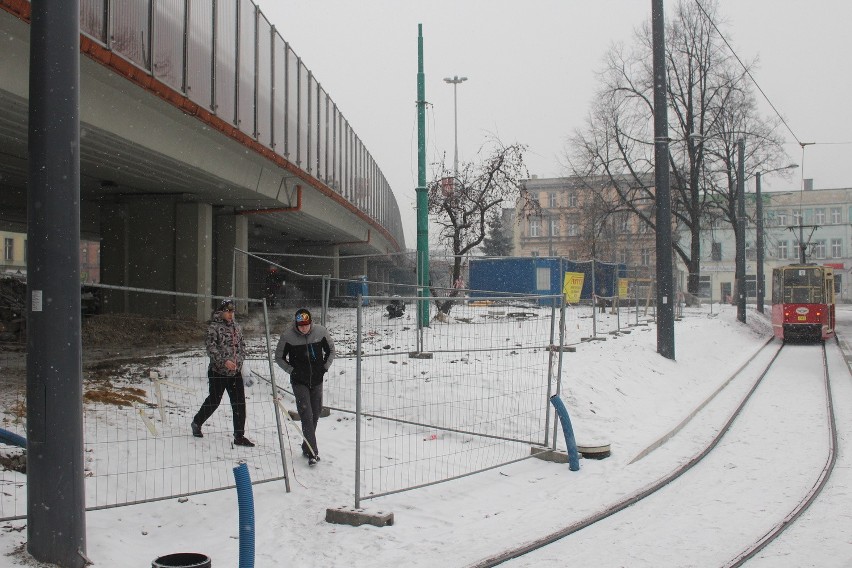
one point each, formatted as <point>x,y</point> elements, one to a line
<point>169,197</point>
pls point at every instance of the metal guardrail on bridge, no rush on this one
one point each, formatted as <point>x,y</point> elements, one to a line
<point>226,57</point>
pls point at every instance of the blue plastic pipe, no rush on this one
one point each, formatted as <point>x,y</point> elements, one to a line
<point>12,439</point>
<point>246,504</point>
<point>570,443</point>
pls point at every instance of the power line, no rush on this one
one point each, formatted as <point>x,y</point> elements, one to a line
<point>750,76</point>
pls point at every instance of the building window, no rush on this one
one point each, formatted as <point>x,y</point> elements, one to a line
<point>704,286</point>
<point>782,218</point>
<point>835,216</point>
<point>623,257</point>
<point>534,253</point>
<point>554,226</point>
<point>835,248</point>
<point>646,257</point>
<point>552,198</point>
<point>8,249</point>
<point>542,278</point>
<point>84,254</point>
<point>819,216</point>
<point>623,223</point>
<point>573,230</point>
<point>819,248</point>
<point>535,227</point>
<point>797,218</point>
<point>716,251</point>
<point>572,199</point>
<point>782,249</point>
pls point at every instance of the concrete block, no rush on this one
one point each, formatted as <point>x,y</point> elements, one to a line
<point>547,454</point>
<point>357,517</point>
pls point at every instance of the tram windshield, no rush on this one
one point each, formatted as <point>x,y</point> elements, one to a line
<point>803,286</point>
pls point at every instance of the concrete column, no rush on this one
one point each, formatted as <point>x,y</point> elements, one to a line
<point>230,269</point>
<point>193,258</point>
<point>138,251</point>
<point>157,244</point>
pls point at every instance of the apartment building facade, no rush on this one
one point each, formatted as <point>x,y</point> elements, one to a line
<point>821,219</point>
<point>14,259</point>
<point>576,223</point>
<point>571,225</point>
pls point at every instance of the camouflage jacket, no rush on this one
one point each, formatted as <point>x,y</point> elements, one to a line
<point>225,342</point>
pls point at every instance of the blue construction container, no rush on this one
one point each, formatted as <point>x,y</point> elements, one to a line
<point>538,275</point>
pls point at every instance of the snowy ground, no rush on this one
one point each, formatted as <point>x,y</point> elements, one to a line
<point>618,391</point>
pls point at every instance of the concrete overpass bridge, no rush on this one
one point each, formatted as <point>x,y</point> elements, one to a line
<point>202,131</point>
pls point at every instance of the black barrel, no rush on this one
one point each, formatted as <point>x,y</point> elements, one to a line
<point>182,560</point>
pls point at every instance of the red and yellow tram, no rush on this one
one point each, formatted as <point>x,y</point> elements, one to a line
<point>803,302</point>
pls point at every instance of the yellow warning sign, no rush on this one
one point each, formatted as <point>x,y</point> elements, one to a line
<point>573,286</point>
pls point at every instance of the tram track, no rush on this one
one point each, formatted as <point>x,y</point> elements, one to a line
<point>615,511</point>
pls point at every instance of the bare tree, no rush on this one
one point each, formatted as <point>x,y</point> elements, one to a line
<point>460,203</point>
<point>706,88</point>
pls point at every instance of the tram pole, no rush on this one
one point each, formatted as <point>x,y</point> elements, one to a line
<point>740,253</point>
<point>759,242</point>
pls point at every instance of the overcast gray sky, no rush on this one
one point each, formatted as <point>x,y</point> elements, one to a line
<point>531,68</point>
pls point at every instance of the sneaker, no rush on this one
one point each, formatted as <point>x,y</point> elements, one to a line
<point>243,441</point>
<point>312,461</point>
<point>196,430</point>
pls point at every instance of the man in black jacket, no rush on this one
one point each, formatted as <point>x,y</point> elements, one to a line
<point>305,351</point>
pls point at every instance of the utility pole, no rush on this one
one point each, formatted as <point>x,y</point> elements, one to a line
<point>665,310</point>
<point>758,211</point>
<point>740,253</point>
<point>56,500</point>
<point>422,197</point>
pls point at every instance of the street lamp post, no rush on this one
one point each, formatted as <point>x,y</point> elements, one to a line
<point>455,83</point>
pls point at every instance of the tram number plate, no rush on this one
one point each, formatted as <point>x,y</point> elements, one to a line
<point>803,318</point>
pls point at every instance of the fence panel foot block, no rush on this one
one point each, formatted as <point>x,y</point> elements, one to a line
<point>546,454</point>
<point>357,517</point>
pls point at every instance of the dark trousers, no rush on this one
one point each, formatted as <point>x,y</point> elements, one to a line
<point>236,393</point>
<point>309,406</point>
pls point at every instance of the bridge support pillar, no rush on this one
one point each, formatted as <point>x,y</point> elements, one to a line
<point>231,269</point>
<point>193,259</point>
<point>158,243</point>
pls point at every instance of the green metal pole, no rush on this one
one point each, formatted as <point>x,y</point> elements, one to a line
<point>422,202</point>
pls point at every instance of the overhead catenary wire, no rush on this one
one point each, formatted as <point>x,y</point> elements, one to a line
<point>748,73</point>
<point>801,144</point>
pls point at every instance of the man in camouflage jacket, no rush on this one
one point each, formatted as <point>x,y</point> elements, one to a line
<point>227,351</point>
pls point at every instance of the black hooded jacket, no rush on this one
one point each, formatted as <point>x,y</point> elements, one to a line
<point>305,358</point>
